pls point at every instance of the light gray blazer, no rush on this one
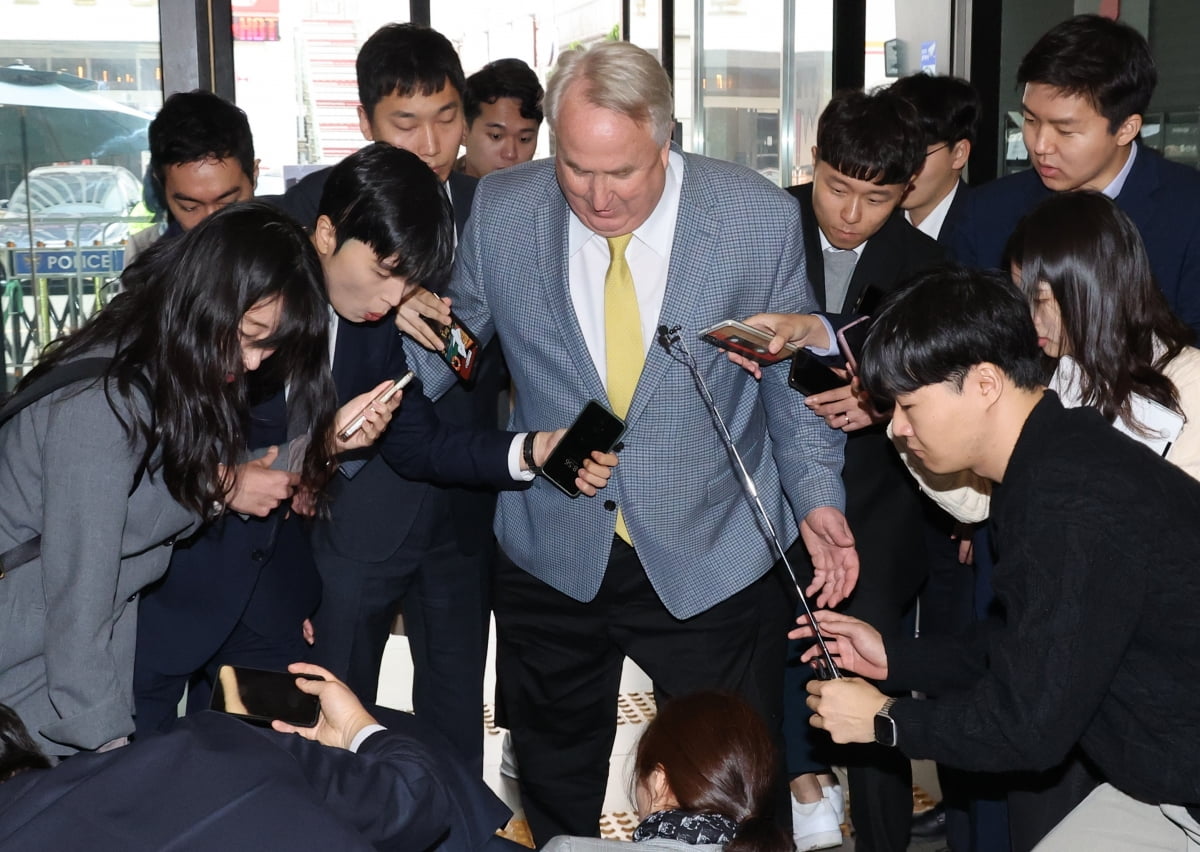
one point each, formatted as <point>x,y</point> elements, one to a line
<point>738,250</point>
<point>67,619</point>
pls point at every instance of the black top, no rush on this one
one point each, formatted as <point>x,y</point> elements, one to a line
<point>1099,574</point>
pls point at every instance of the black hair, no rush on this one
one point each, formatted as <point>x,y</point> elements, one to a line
<point>718,757</point>
<point>197,125</point>
<point>389,199</point>
<point>18,751</point>
<point>874,137</point>
<point>178,326</point>
<point>947,107</point>
<point>1093,57</point>
<point>406,60</point>
<point>944,322</point>
<point>1113,314</point>
<point>504,78</point>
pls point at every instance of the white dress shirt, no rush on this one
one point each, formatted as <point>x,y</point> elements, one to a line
<point>931,225</point>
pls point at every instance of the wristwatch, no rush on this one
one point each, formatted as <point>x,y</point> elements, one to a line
<point>885,725</point>
<point>527,453</point>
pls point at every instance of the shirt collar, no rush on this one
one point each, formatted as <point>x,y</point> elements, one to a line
<point>1118,183</point>
<point>826,245</point>
<point>658,231</point>
<point>931,225</point>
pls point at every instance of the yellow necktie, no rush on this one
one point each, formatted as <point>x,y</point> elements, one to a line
<point>624,355</point>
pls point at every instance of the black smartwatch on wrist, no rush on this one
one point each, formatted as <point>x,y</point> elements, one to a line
<point>527,453</point>
<point>885,725</point>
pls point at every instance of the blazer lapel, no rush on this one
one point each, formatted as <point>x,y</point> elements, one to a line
<point>1136,196</point>
<point>814,260</point>
<point>695,241</point>
<point>552,249</point>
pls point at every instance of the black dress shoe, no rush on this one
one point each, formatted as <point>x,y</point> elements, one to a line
<point>930,823</point>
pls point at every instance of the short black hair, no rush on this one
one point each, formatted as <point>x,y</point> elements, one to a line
<point>199,125</point>
<point>389,199</point>
<point>947,107</point>
<point>944,322</point>
<point>406,60</point>
<point>18,751</point>
<point>504,78</point>
<point>874,137</point>
<point>1093,57</point>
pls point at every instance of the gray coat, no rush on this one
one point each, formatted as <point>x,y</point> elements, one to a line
<point>68,618</point>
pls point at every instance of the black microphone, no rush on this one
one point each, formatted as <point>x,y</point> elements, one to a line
<point>670,340</point>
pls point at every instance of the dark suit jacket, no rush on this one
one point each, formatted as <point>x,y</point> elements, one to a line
<point>215,782</point>
<point>883,505</point>
<point>1162,198</point>
<point>954,217</point>
<point>259,570</point>
<point>467,507</point>
<point>373,512</point>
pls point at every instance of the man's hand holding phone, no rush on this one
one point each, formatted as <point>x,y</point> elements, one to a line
<point>801,330</point>
<point>847,408</point>
<point>593,474</point>
<point>256,488</point>
<point>418,305</point>
<point>361,421</point>
<point>342,714</point>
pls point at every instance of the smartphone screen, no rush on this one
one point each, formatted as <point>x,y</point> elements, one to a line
<point>809,376</point>
<point>462,347</point>
<point>259,696</point>
<point>596,428</point>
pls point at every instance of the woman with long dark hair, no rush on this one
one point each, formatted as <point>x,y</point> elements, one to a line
<point>704,778</point>
<point>1099,313</point>
<point>99,477</point>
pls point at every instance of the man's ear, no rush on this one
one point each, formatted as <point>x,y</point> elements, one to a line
<point>364,124</point>
<point>254,175</point>
<point>959,154</point>
<point>324,236</point>
<point>987,382</point>
<point>1129,129</point>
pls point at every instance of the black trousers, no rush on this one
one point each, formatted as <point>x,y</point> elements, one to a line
<point>558,670</point>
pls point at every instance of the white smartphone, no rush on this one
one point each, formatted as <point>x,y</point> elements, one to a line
<point>357,423</point>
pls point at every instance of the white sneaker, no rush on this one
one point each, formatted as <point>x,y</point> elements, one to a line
<point>836,796</point>
<point>815,826</point>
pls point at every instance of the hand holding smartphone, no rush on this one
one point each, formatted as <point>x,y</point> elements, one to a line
<point>260,696</point>
<point>461,347</point>
<point>596,428</point>
<point>357,423</point>
<point>851,338</point>
<point>747,341</point>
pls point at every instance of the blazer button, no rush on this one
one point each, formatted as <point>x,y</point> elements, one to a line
<point>618,446</point>
<point>131,598</point>
<point>610,505</point>
<point>169,542</point>
<point>258,555</point>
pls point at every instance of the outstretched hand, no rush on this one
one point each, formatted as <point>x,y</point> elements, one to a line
<point>830,544</point>
<point>854,645</point>
<point>342,714</point>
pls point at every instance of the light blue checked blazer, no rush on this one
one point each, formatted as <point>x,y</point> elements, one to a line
<point>738,250</point>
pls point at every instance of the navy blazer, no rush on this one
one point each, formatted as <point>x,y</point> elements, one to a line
<point>954,216</point>
<point>1162,198</point>
<point>373,512</point>
<point>215,782</point>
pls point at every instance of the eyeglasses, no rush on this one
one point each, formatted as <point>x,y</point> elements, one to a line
<point>938,148</point>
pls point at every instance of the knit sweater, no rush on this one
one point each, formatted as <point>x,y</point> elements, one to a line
<point>1098,572</point>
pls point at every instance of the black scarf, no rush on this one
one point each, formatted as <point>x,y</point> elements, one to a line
<point>693,829</point>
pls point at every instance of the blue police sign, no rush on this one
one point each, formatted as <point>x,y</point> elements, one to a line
<point>70,261</point>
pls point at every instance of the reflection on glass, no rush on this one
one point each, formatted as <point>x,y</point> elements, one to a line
<point>739,84</point>
<point>79,84</point>
<point>813,59</point>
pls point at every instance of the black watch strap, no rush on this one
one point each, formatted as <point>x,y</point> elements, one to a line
<point>527,453</point>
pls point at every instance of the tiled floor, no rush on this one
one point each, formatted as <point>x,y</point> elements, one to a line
<point>635,709</point>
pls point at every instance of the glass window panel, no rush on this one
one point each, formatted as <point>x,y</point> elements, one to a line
<point>79,84</point>
<point>294,65</point>
<point>813,59</point>
<point>739,83</point>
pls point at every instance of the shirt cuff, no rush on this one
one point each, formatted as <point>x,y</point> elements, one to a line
<point>514,460</point>
<point>361,736</point>
<point>831,350</point>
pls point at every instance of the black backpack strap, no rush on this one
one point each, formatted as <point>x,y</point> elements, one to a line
<point>58,378</point>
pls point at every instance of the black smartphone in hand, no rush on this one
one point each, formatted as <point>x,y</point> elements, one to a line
<point>259,696</point>
<point>596,428</point>
<point>809,376</point>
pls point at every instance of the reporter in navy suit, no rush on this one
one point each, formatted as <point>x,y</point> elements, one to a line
<point>1088,83</point>
<point>215,782</point>
<point>434,566</point>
